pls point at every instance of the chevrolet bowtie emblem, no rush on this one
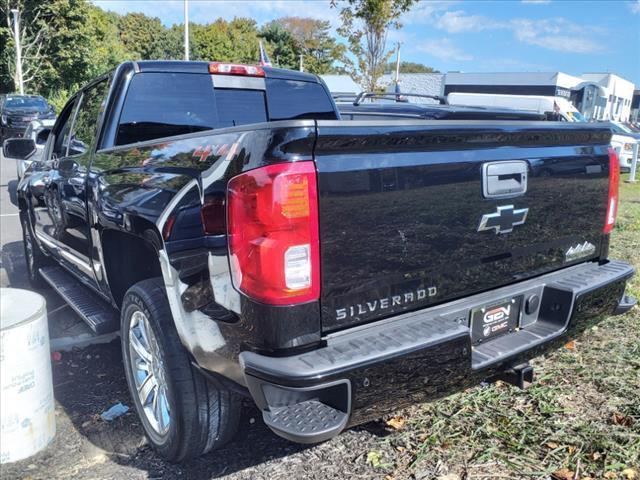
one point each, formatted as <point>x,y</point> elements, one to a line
<point>504,219</point>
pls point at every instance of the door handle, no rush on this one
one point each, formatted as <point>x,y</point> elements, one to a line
<point>504,179</point>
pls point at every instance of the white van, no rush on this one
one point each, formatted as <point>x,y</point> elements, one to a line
<point>553,107</point>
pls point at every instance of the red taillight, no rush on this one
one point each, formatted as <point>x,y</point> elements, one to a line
<point>614,182</point>
<point>273,233</point>
<point>235,69</point>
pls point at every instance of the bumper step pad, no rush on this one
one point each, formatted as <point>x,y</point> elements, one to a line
<point>307,422</point>
<point>99,315</point>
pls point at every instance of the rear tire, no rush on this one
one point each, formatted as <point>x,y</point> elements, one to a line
<point>188,415</point>
<point>33,256</point>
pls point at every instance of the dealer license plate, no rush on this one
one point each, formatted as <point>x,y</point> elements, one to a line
<point>495,319</point>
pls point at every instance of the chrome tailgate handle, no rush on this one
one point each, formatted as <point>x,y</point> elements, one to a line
<point>504,179</point>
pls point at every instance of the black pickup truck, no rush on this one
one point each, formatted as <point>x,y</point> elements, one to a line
<point>246,240</point>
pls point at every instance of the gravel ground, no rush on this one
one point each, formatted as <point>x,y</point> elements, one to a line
<point>88,381</point>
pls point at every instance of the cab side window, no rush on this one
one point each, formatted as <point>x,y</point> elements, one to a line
<point>86,125</point>
<point>62,130</point>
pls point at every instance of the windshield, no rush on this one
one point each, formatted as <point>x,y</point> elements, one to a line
<point>623,128</point>
<point>575,116</point>
<point>26,102</point>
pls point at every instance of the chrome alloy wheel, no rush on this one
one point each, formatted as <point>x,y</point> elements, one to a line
<point>149,373</point>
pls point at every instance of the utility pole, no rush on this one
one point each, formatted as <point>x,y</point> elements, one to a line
<point>398,61</point>
<point>16,37</point>
<point>301,67</point>
<point>186,30</point>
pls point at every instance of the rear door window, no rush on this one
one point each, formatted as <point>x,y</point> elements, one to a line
<point>86,122</point>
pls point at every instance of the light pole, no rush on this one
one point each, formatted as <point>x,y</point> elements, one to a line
<point>16,37</point>
<point>398,61</point>
<point>186,30</point>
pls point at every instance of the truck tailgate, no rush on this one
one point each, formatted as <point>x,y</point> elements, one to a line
<point>406,220</point>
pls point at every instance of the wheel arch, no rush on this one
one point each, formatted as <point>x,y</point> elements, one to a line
<point>130,256</point>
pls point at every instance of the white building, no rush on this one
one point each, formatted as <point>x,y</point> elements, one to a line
<point>422,83</point>
<point>598,96</point>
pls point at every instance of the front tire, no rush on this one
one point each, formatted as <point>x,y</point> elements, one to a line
<point>183,414</point>
<point>33,256</point>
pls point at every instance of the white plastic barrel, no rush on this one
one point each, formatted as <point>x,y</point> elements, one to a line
<point>27,412</point>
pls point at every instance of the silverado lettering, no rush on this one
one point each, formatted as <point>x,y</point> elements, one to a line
<point>382,303</point>
<point>237,227</point>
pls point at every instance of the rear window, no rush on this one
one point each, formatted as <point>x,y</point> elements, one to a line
<point>240,107</point>
<point>289,99</point>
<point>166,104</point>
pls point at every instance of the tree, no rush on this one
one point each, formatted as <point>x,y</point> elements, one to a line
<point>142,36</point>
<point>58,44</point>
<point>280,45</point>
<point>234,41</point>
<point>365,24</point>
<point>409,67</point>
<point>107,49</point>
<point>33,35</point>
<point>312,39</point>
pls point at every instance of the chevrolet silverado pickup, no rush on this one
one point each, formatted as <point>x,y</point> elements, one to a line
<point>245,240</point>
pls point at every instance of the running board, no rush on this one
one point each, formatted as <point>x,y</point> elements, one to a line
<point>99,315</point>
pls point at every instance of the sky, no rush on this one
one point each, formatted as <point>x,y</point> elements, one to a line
<point>572,36</point>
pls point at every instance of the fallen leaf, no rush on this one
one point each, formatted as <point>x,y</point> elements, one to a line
<point>562,474</point>
<point>621,419</point>
<point>552,445</point>
<point>572,450</point>
<point>629,473</point>
<point>400,449</point>
<point>596,456</point>
<point>397,423</point>
<point>611,475</point>
<point>389,477</point>
<point>373,458</point>
<point>448,476</point>
<point>570,345</point>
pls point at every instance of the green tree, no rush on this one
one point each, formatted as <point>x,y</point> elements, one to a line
<point>107,49</point>
<point>312,39</point>
<point>409,67</point>
<point>280,45</point>
<point>57,47</point>
<point>143,37</point>
<point>365,24</point>
<point>234,41</point>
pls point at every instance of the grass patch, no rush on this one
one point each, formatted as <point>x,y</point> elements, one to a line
<point>582,414</point>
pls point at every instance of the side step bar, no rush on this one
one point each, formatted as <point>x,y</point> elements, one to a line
<point>99,315</point>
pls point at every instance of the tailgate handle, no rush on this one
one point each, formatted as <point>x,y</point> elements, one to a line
<point>504,179</point>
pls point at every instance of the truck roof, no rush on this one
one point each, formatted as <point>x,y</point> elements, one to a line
<point>181,66</point>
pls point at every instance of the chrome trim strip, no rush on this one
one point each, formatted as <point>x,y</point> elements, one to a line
<point>62,250</point>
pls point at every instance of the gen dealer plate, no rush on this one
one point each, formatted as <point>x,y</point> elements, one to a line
<point>495,319</point>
